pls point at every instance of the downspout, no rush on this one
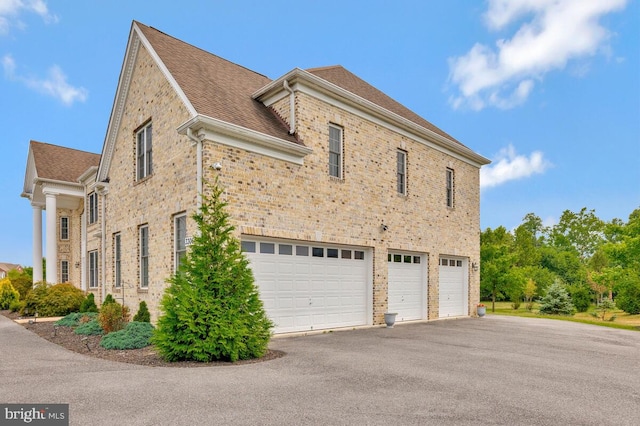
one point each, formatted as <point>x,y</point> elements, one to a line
<point>292,108</point>
<point>103,244</point>
<point>198,144</point>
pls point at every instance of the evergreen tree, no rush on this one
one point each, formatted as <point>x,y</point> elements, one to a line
<point>212,310</point>
<point>556,301</point>
<point>89,304</point>
<point>143,314</point>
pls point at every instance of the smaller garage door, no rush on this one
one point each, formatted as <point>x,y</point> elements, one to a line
<point>453,287</point>
<point>407,285</point>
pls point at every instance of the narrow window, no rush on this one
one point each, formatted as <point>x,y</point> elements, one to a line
<point>93,269</point>
<point>93,207</point>
<point>117,259</point>
<point>64,271</point>
<point>144,257</point>
<point>402,171</point>
<point>450,187</point>
<point>335,151</point>
<point>64,229</point>
<point>144,152</point>
<point>180,236</point>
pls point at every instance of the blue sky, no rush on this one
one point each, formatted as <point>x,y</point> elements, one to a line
<point>547,89</point>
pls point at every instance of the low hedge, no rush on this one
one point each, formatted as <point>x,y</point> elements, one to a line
<point>91,328</point>
<point>135,335</point>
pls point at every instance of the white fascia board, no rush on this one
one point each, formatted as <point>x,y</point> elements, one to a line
<point>61,188</point>
<point>91,172</point>
<point>332,94</point>
<point>136,38</point>
<point>207,128</point>
<point>29,175</point>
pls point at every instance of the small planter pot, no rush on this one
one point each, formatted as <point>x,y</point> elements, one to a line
<point>390,319</point>
<point>482,310</point>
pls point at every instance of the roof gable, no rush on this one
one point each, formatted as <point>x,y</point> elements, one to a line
<point>59,163</point>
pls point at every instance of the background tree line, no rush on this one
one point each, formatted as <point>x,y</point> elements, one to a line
<point>590,258</point>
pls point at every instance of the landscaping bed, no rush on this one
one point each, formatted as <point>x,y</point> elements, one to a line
<point>90,346</point>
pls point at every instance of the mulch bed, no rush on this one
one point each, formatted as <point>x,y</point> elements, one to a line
<point>90,346</point>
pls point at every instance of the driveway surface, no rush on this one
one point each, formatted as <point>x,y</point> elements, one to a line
<point>484,371</point>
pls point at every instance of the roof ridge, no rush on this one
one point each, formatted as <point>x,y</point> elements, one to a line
<point>63,147</point>
<point>327,67</point>
<point>201,49</point>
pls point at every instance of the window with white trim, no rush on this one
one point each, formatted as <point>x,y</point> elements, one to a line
<point>64,229</point>
<point>64,271</point>
<point>450,187</point>
<point>401,167</point>
<point>144,256</point>
<point>144,150</point>
<point>180,235</point>
<point>93,207</point>
<point>335,151</point>
<point>93,269</point>
<point>117,260</point>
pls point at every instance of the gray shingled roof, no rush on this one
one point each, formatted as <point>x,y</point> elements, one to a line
<point>59,163</point>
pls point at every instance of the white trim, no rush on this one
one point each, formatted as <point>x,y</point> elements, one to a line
<point>136,38</point>
<point>310,84</point>
<point>212,129</point>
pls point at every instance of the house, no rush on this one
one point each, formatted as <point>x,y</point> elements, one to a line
<point>347,204</point>
<point>6,267</point>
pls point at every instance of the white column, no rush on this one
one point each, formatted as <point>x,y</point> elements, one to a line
<point>52,238</point>
<point>37,244</point>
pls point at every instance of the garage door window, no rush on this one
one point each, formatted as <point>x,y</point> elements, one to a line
<point>267,248</point>
<point>346,254</point>
<point>248,246</point>
<point>317,252</point>
<point>285,249</point>
<point>302,251</point>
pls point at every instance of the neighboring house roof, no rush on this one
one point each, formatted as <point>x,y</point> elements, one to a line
<point>59,163</point>
<point>6,267</point>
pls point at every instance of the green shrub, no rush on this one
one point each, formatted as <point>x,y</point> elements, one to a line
<point>91,328</point>
<point>605,305</point>
<point>8,294</point>
<point>89,304</point>
<point>135,335</point>
<point>556,301</point>
<point>34,298</point>
<point>61,299</point>
<point>76,318</point>
<point>143,314</point>
<point>107,300</point>
<point>212,309</point>
<point>628,298</point>
<point>23,283</point>
<point>16,306</point>
<point>581,298</point>
<point>113,317</point>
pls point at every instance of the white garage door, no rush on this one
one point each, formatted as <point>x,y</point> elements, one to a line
<point>307,286</point>
<point>453,287</point>
<point>407,284</point>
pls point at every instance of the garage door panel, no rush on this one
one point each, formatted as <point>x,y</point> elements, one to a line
<point>307,292</point>
<point>407,278</point>
<point>453,287</point>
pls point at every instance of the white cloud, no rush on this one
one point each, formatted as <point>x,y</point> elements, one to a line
<point>508,165</point>
<point>10,11</point>
<point>556,32</point>
<point>54,85</point>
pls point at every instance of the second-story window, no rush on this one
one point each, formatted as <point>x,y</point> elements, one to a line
<point>335,151</point>
<point>93,207</point>
<point>401,160</point>
<point>450,187</point>
<point>64,229</point>
<point>144,163</point>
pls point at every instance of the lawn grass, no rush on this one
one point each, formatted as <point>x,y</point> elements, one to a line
<point>623,320</point>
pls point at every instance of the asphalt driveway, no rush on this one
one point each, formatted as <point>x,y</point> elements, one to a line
<point>491,370</point>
